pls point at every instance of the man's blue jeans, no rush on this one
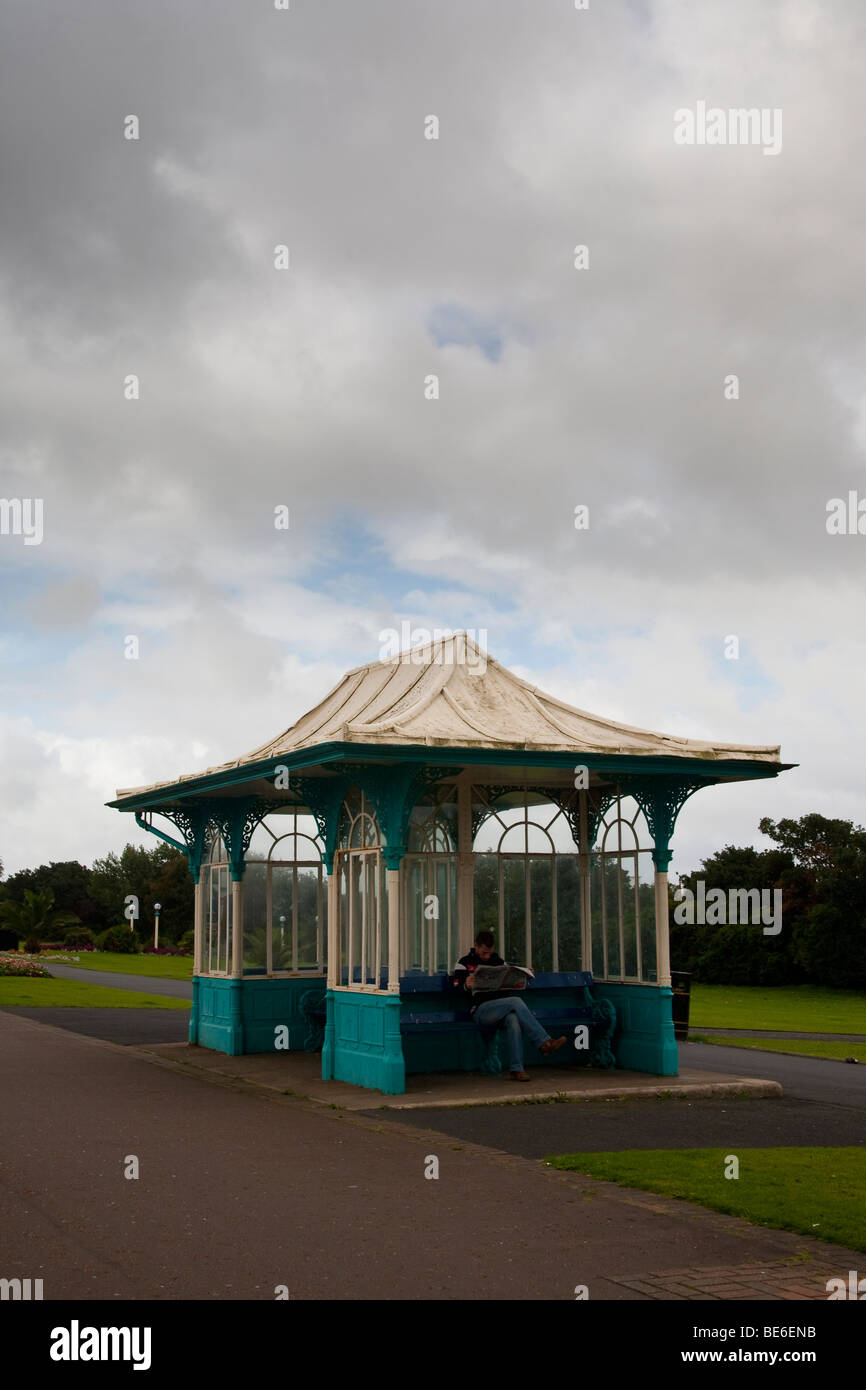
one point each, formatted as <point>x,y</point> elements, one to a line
<point>518,1020</point>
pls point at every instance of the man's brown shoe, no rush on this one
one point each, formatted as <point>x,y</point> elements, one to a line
<point>553,1045</point>
<point>522,1075</point>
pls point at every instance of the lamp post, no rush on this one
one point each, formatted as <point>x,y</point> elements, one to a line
<point>157,909</point>
<point>282,929</point>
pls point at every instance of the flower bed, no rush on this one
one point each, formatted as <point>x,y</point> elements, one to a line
<point>22,965</point>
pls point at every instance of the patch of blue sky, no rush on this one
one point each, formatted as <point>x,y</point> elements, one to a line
<point>457,325</point>
<point>753,684</point>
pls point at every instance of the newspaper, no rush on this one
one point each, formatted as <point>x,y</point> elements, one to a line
<point>488,978</point>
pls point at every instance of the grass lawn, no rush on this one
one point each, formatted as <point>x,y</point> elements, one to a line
<point>811,1048</point>
<point>789,1008</point>
<point>79,994</point>
<point>159,967</point>
<point>815,1192</point>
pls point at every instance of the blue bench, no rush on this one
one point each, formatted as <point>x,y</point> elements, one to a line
<point>561,1001</point>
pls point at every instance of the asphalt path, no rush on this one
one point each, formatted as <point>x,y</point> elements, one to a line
<point>238,1193</point>
<point>805,1078</point>
<point>824,1105</point>
<point>144,984</point>
<point>131,1027</point>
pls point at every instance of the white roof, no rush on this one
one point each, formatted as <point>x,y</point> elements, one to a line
<point>449,693</point>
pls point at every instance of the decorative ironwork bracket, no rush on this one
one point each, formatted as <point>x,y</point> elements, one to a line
<point>661,799</point>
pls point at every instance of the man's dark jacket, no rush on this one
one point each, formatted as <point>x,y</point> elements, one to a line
<point>465,967</point>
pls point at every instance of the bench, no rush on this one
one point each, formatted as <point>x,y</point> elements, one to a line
<point>561,1001</point>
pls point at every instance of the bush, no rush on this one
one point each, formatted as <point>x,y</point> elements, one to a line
<point>120,940</point>
<point>187,942</point>
<point>31,946</point>
<point>77,937</point>
<point>9,939</point>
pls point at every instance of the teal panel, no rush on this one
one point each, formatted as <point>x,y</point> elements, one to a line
<point>272,1004</point>
<point>219,1022</point>
<point>362,1041</point>
<point>644,1037</point>
<point>242,1016</point>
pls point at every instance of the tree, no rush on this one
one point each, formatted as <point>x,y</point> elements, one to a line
<point>34,917</point>
<point>829,892</point>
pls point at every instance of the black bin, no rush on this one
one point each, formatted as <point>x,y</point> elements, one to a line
<point>681,983</point>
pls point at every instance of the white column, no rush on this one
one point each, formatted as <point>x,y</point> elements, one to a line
<point>663,944</point>
<point>237,929</point>
<point>198,926</point>
<point>393,880</point>
<point>333,928</point>
<point>465,886</point>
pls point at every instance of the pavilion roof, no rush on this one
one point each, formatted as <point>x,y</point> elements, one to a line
<point>451,694</point>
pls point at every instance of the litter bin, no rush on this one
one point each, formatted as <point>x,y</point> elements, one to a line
<point>681,983</point>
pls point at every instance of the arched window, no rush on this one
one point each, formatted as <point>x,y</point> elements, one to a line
<point>285,900</point>
<point>622,895</point>
<point>362,896</point>
<point>358,825</point>
<point>217,909</point>
<point>527,878</point>
<point>429,875</point>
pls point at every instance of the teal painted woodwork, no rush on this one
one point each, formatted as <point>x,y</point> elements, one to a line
<point>362,1041</point>
<point>241,1016</point>
<point>218,1022</point>
<point>706,770</point>
<point>644,1035</point>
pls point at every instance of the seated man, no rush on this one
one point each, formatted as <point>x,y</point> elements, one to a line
<point>502,1006</point>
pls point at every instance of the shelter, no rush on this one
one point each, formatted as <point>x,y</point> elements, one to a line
<point>342,868</point>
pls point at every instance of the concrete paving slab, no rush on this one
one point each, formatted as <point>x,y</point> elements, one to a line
<point>299,1074</point>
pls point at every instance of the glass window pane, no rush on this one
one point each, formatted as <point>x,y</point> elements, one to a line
<point>488,835</point>
<point>261,841</point>
<point>282,876</point>
<point>568,912</point>
<point>646,899</point>
<point>628,874</point>
<point>537,839</point>
<point>599,966</point>
<point>255,883</point>
<point>307,887</point>
<point>382,897</point>
<point>610,910</point>
<point>513,841</point>
<point>451,945</point>
<point>414,914</point>
<point>514,887</point>
<point>213,947</point>
<point>227,899</point>
<point>541,912</point>
<point>443,895</point>
<point>485,883</point>
<point>343,898</point>
<point>560,833</point>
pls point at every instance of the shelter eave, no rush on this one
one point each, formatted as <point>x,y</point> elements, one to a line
<point>238,778</point>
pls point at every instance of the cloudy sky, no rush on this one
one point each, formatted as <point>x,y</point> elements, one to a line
<point>409,257</point>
